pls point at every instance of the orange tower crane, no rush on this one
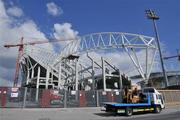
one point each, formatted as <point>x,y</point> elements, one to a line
<point>20,52</point>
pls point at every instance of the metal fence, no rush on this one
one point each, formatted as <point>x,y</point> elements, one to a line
<point>15,98</point>
<point>55,98</point>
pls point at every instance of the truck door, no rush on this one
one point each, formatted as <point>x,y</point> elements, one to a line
<point>162,100</point>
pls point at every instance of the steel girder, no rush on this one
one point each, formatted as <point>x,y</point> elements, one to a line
<point>114,40</point>
<point>106,40</point>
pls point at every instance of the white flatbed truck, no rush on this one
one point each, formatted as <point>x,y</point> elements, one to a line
<point>154,103</point>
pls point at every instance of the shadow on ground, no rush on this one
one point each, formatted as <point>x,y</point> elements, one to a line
<point>114,114</point>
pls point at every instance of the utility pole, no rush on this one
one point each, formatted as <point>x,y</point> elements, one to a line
<point>151,15</point>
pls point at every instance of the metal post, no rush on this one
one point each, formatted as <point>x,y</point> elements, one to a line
<point>65,98</point>
<point>93,80</point>
<point>59,76</point>
<point>25,90</point>
<point>25,95</point>
<point>76,79</point>
<point>97,98</point>
<point>146,76</point>
<point>160,54</point>
<point>103,74</point>
<point>37,83</point>
<point>151,15</point>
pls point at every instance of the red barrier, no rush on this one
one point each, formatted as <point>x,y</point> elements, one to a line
<point>82,99</point>
<point>3,95</point>
<point>46,98</point>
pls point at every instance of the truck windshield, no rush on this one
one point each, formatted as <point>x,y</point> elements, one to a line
<point>148,90</point>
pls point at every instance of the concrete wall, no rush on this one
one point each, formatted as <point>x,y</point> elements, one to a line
<point>171,96</point>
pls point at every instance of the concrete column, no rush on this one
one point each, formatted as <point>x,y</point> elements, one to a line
<point>59,76</point>
<point>47,77</point>
<point>76,77</point>
<point>32,73</point>
<point>103,74</point>
<point>51,77</point>
<point>27,79</point>
<point>37,83</point>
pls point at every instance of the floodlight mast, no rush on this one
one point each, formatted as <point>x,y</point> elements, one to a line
<point>151,15</point>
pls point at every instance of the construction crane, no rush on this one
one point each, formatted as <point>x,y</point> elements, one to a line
<point>175,56</point>
<point>20,51</point>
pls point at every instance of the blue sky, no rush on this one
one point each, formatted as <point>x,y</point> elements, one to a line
<point>89,16</point>
<point>31,17</point>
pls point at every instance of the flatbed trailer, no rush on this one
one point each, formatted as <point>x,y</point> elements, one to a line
<point>129,108</point>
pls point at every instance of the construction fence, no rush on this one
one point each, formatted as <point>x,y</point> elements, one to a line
<point>48,98</point>
<point>18,98</point>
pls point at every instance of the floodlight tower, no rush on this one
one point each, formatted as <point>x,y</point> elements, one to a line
<point>151,15</point>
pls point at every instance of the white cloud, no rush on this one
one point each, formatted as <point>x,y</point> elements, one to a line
<point>10,33</point>
<point>64,31</point>
<point>54,9</point>
<point>15,11</point>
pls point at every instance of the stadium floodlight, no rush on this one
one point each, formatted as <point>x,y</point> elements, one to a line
<point>151,15</point>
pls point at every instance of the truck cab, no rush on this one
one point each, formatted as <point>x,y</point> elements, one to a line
<point>157,98</point>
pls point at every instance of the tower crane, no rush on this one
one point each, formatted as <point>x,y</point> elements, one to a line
<point>20,51</point>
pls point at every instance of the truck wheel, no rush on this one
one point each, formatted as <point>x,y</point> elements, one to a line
<point>157,109</point>
<point>128,111</point>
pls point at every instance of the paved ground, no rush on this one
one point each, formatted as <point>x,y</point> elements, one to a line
<point>170,113</point>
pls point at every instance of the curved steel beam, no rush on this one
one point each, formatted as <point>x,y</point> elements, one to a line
<point>113,40</point>
<point>106,40</point>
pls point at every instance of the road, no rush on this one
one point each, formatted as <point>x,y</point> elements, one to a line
<point>170,113</point>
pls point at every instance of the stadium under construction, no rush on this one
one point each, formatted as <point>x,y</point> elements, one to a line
<point>73,77</point>
<point>66,70</point>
